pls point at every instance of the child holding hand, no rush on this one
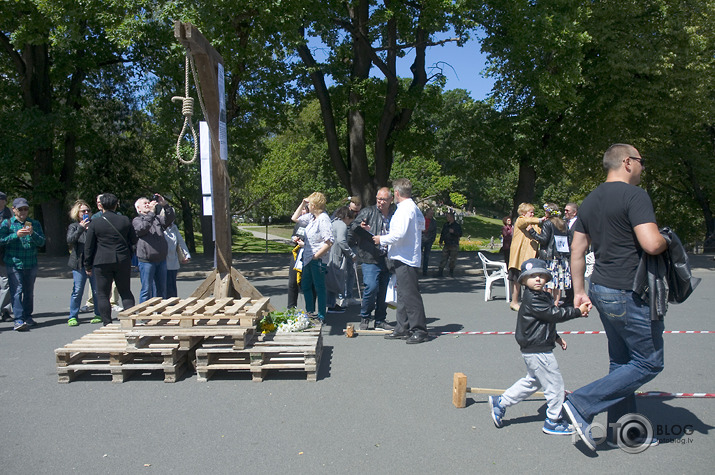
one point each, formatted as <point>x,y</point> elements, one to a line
<point>537,337</point>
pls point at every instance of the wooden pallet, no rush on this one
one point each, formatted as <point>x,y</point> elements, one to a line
<point>193,319</point>
<point>298,351</point>
<point>106,350</point>
<point>194,311</point>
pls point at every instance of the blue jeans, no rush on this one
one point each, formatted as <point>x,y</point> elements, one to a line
<point>22,292</point>
<point>313,279</point>
<point>80,279</point>
<point>171,290</point>
<point>375,278</point>
<point>635,350</point>
<point>153,279</point>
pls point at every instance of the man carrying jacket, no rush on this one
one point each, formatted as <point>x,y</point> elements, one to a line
<point>152,219</point>
<point>618,220</point>
<point>373,220</point>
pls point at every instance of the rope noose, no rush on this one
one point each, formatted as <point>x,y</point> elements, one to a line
<point>187,110</point>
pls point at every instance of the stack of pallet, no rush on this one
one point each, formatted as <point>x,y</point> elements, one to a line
<point>274,351</point>
<point>213,333</point>
<point>106,350</point>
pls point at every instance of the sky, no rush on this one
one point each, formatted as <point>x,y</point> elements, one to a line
<point>463,67</point>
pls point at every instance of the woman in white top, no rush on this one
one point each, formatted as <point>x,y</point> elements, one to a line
<point>318,239</point>
<point>173,259</point>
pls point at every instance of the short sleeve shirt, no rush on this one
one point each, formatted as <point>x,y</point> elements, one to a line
<point>317,232</point>
<point>608,215</point>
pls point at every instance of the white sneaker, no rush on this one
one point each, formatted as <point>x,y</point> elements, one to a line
<point>117,308</point>
<point>86,308</point>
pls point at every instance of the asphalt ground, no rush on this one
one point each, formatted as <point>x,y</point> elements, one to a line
<point>378,406</point>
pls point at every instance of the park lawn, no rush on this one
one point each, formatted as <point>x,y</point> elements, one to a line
<point>477,232</point>
<point>245,243</point>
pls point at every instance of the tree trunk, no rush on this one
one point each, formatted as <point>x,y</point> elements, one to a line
<point>527,182</point>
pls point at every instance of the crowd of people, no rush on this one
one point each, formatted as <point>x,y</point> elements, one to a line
<point>546,256</point>
<point>103,247</point>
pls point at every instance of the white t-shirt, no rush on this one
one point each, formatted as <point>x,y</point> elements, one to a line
<point>405,236</point>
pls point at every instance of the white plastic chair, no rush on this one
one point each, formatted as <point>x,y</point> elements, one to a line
<point>499,271</point>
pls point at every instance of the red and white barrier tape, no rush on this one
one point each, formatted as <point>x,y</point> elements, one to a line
<point>662,394</point>
<point>594,332</point>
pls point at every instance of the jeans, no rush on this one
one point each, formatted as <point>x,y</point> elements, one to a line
<point>171,290</point>
<point>80,279</point>
<point>635,350</point>
<point>5,304</point>
<point>375,278</point>
<point>22,292</point>
<point>312,283</point>
<point>152,276</point>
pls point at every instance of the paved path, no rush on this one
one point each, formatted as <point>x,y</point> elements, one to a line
<point>378,406</point>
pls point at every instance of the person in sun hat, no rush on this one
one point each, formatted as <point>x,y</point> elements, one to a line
<point>537,337</point>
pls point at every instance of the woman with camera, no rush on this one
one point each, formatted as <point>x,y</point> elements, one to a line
<point>76,237</point>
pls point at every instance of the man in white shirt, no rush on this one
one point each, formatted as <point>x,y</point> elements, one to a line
<point>404,243</point>
<point>570,212</point>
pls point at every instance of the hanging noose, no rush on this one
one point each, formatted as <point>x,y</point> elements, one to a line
<point>187,110</point>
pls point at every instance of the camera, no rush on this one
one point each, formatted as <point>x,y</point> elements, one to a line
<point>155,197</point>
<point>85,216</point>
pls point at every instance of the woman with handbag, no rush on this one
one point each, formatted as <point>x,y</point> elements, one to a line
<point>317,243</point>
<point>76,237</point>
<point>177,254</point>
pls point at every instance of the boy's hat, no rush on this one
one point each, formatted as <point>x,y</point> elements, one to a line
<point>533,267</point>
<point>20,202</point>
<point>3,196</point>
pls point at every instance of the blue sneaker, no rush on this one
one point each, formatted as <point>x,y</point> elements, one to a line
<point>560,427</point>
<point>582,426</point>
<point>20,326</point>
<point>497,410</point>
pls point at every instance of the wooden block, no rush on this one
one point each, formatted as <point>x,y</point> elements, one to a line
<point>459,390</point>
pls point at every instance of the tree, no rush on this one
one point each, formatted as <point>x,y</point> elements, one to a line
<point>49,49</point>
<point>360,35</point>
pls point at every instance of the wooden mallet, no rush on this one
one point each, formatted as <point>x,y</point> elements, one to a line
<point>460,390</point>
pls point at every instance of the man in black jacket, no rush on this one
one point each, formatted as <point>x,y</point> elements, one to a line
<point>108,256</point>
<point>373,220</point>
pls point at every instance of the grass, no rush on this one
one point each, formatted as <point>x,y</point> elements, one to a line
<point>477,232</point>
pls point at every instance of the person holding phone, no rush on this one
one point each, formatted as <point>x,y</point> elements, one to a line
<point>21,237</point>
<point>153,218</point>
<point>76,237</point>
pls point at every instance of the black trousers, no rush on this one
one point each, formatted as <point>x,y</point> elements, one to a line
<point>410,309</point>
<point>105,274</point>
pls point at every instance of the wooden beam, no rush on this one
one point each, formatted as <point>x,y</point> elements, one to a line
<point>207,59</point>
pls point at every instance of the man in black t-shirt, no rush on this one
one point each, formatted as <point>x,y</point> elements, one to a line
<point>617,219</point>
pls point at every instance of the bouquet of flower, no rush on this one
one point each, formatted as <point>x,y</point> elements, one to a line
<point>290,320</point>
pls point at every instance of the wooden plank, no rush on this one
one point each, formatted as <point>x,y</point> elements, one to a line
<point>177,310</point>
<point>159,307</point>
<point>139,307</point>
<point>204,290</point>
<point>260,307</point>
<point>198,307</point>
